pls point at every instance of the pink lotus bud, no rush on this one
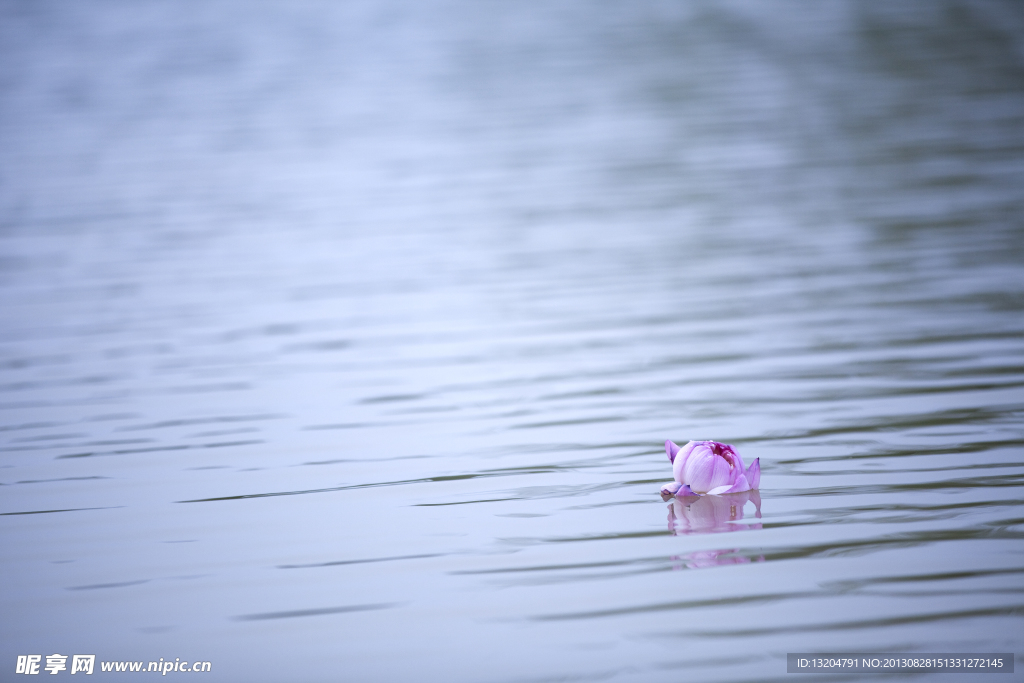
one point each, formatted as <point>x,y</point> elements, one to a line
<point>709,467</point>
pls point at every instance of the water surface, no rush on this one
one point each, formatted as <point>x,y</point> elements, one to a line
<point>340,340</point>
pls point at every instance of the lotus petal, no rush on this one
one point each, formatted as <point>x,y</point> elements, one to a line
<point>685,491</point>
<point>672,449</point>
<point>704,470</point>
<point>754,474</point>
<point>740,486</point>
<point>670,489</point>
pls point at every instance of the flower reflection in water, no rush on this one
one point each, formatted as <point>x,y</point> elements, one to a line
<point>702,559</point>
<point>711,515</point>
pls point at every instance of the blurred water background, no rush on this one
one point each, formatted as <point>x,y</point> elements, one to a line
<point>340,339</point>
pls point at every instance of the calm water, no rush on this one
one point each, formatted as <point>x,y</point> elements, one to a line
<point>340,340</point>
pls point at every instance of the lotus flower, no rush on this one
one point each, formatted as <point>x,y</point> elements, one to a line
<point>709,467</point>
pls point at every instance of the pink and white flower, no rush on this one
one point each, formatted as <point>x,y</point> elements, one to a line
<point>709,467</point>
